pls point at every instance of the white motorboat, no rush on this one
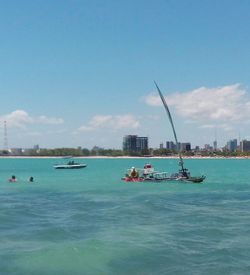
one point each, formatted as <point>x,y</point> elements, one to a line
<point>70,165</point>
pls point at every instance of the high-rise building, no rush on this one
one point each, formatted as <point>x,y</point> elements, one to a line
<point>197,148</point>
<point>170,145</point>
<point>129,143</point>
<point>208,147</point>
<point>135,144</point>
<point>36,147</point>
<point>244,146</point>
<point>186,146</point>
<point>232,145</point>
<point>141,144</point>
<point>215,145</point>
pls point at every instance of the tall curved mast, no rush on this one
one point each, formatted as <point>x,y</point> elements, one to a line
<point>181,163</point>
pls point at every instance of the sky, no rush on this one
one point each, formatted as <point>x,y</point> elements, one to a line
<point>81,73</point>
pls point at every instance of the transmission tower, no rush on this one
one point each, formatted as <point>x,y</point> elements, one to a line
<point>5,141</point>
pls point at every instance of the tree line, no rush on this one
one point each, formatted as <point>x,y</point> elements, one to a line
<point>84,152</point>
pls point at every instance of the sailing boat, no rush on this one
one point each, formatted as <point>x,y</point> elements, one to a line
<point>183,173</point>
<point>148,174</point>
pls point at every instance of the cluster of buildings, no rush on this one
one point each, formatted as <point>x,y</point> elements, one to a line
<point>233,146</point>
<point>171,146</point>
<point>136,144</point>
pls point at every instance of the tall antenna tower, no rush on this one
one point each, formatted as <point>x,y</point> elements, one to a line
<point>5,140</point>
<point>215,145</point>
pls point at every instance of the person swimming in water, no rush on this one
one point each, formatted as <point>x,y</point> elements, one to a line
<point>13,179</point>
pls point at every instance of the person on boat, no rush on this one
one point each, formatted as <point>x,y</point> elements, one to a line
<point>134,173</point>
<point>13,179</point>
<point>185,173</point>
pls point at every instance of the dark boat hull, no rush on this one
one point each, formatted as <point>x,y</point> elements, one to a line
<point>194,179</point>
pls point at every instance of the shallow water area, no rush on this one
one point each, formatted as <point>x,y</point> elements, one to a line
<point>88,221</point>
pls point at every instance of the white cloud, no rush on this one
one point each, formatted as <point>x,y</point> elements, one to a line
<point>84,128</point>
<point>125,121</point>
<point>208,126</point>
<point>221,105</point>
<point>111,122</point>
<point>153,100</point>
<point>20,119</point>
<point>224,126</point>
<point>100,121</point>
<point>49,120</point>
<point>34,134</point>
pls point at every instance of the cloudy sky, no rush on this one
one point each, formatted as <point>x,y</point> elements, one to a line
<point>81,73</point>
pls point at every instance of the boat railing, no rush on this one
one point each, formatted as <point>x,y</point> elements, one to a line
<point>161,175</point>
<point>156,176</point>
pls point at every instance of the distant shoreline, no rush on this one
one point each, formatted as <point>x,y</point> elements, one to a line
<point>124,157</point>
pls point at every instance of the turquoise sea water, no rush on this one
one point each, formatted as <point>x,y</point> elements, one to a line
<point>88,221</point>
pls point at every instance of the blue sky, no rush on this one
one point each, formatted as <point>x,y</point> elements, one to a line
<point>80,73</point>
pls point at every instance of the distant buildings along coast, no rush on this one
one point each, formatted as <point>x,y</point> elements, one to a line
<point>134,145</point>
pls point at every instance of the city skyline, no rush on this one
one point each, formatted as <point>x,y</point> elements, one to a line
<point>231,145</point>
<point>80,73</point>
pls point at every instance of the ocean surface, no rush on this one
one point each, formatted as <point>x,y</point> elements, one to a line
<point>88,221</point>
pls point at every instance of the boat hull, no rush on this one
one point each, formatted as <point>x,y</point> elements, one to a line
<point>167,179</point>
<point>67,166</point>
<point>195,179</point>
<point>128,179</point>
